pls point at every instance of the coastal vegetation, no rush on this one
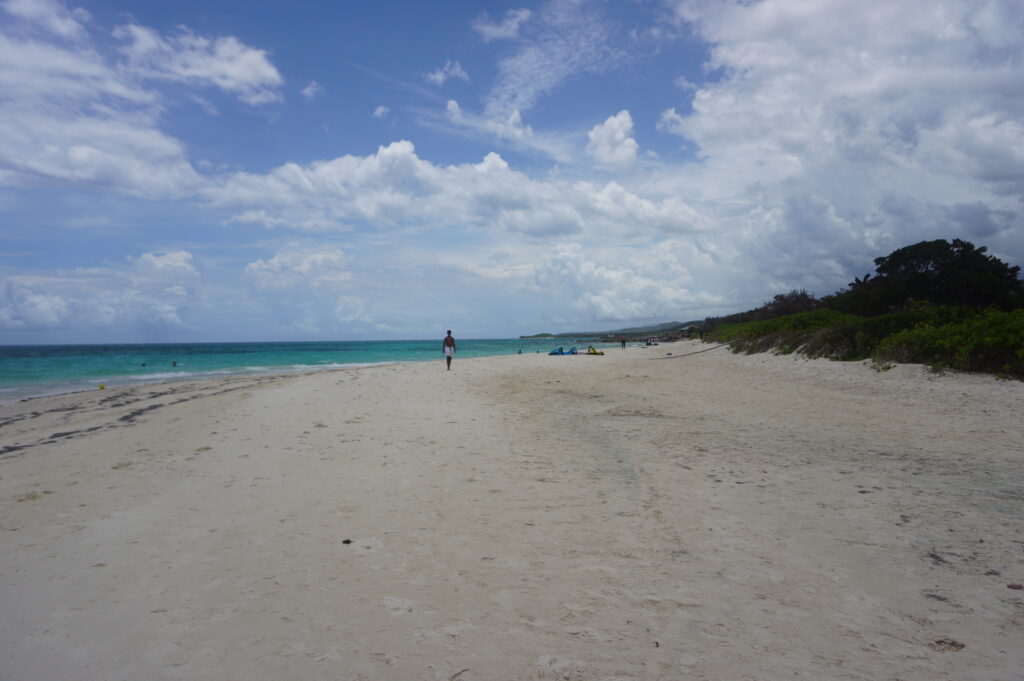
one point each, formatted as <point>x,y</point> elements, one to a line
<point>944,304</point>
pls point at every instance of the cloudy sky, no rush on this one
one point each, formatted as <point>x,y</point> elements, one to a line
<point>190,170</point>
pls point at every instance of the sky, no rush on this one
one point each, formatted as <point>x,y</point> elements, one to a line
<point>259,170</point>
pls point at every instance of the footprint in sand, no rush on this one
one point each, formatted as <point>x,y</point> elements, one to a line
<point>398,606</point>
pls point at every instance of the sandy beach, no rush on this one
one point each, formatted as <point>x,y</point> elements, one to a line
<point>631,516</point>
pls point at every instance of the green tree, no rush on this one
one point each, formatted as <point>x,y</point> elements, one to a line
<point>787,303</point>
<point>940,272</point>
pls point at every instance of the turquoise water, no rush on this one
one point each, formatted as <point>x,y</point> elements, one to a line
<point>31,370</point>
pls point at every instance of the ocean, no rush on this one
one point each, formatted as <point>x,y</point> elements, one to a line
<point>34,370</point>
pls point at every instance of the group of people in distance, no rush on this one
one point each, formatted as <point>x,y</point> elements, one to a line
<point>448,348</point>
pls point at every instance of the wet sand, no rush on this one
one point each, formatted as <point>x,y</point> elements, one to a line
<point>632,516</point>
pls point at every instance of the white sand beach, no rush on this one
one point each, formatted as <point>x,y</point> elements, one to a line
<point>631,516</point>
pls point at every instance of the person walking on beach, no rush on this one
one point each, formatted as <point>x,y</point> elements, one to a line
<point>448,348</point>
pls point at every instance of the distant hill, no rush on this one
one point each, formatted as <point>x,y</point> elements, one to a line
<point>630,331</point>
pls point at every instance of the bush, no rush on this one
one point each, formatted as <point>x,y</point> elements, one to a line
<point>934,302</point>
<point>991,341</point>
<point>857,338</point>
<point>942,337</point>
<point>791,331</point>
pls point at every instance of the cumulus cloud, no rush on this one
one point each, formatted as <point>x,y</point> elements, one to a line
<point>822,136</point>
<point>394,188</point>
<point>301,265</point>
<point>609,286</point>
<point>312,90</point>
<point>451,69</point>
<point>893,85</point>
<point>507,28</point>
<point>153,289</point>
<point>612,142</point>
<point>311,285</point>
<point>512,127</point>
<point>454,111</point>
<point>73,114</point>
<point>839,132</point>
<point>670,122</point>
<point>27,303</point>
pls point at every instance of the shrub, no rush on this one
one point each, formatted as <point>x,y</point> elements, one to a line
<point>857,338</point>
<point>991,341</point>
<point>791,331</point>
<point>942,337</point>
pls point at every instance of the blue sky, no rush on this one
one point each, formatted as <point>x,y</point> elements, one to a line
<point>301,171</point>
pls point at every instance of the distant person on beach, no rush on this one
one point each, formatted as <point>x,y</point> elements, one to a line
<point>622,339</point>
<point>448,348</point>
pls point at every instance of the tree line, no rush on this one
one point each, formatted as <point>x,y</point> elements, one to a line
<point>942,303</point>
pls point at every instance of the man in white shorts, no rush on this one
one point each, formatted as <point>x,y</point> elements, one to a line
<point>448,348</point>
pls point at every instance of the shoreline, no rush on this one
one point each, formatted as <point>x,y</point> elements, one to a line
<point>145,365</point>
<point>129,381</point>
<point>722,516</point>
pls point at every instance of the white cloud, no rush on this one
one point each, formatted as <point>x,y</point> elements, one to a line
<point>566,39</point>
<point>508,28</point>
<point>312,90</point>
<point>511,128</point>
<point>825,122</point>
<point>396,189</point>
<point>73,114</point>
<point>451,69</point>
<point>28,304</point>
<point>822,136</point>
<point>350,309</point>
<point>175,265</point>
<point>113,149</point>
<point>205,104</point>
<point>301,265</point>
<point>224,62</point>
<point>381,111</point>
<point>51,15</point>
<point>684,84</point>
<point>154,289</point>
<point>569,38</point>
<point>512,131</point>
<point>611,142</point>
<point>454,111</point>
<point>610,286</point>
<point>671,122</point>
